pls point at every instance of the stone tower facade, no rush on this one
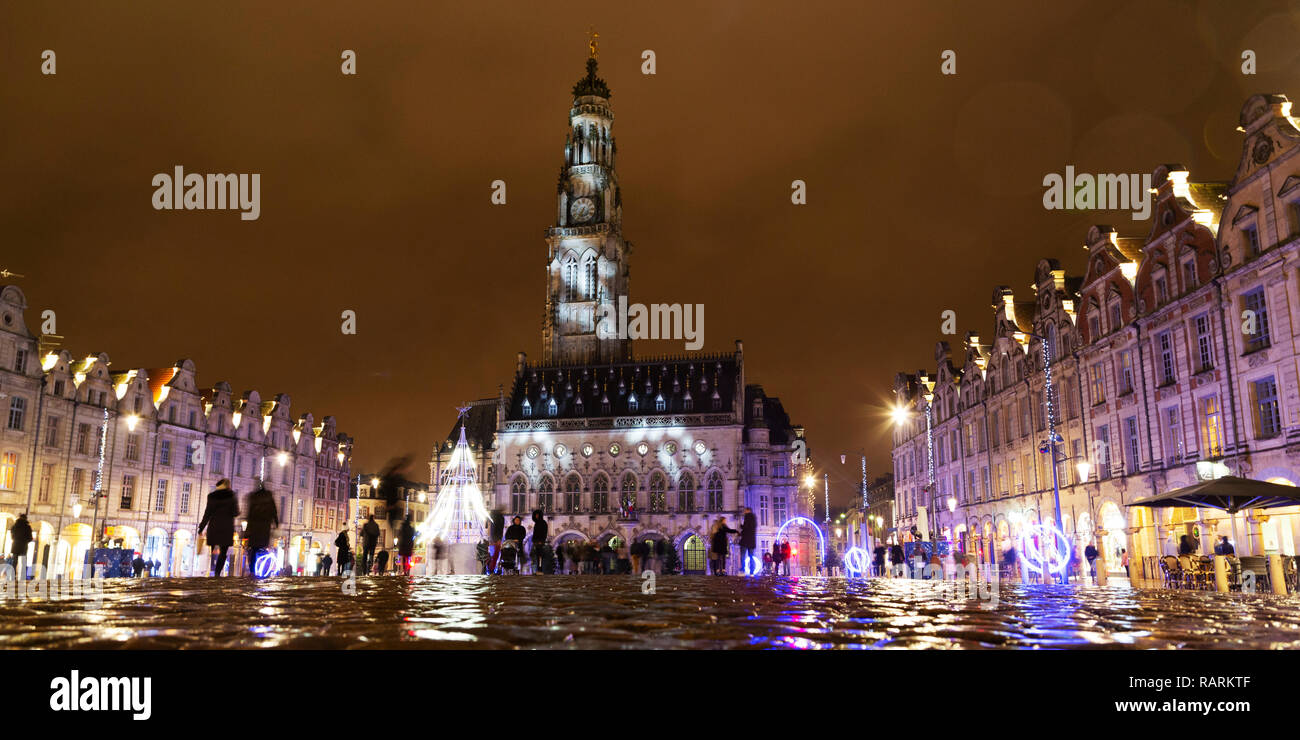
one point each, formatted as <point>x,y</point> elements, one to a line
<point>587,258</point>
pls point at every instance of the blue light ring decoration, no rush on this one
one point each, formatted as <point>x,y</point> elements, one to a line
<point>1033,562</point>
<point>856,562</point>
<point>266,564</point>
<point>821,538</point>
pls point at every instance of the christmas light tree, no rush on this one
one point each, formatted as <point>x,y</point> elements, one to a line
<point>458,515</point>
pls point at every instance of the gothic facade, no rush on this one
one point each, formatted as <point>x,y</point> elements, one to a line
<point>608,445</point>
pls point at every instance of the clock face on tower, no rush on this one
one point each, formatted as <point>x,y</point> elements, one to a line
<point>582,210</point>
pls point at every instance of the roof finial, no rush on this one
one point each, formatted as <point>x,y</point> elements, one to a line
<point>593,43</point>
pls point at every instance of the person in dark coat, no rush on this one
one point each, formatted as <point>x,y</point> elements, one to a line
<point>1090,554</point>
<point>495,534</point>
<point>878,559</point>
<point>1226,547</point>
<point>345,550</point>
<point>540,531</point>
<point>20,535</point>
<point>390,490</point>
<point>262,516</point>
<point>1185,546</point>
<point>718,546</point>
<point>406,544</point>
<point>137,566</point>
<point>219,519</point>
<point>326,563</point>
<point>381,562</point>
<point>369,540</point>
<point>516,531</point>
<point>749,543</point>
<point>785,557</point>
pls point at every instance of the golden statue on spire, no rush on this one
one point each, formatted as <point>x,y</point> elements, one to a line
<point>593,42</point>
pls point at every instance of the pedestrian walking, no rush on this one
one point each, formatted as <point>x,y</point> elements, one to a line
<point>345,550</point>
<point>718,545</point>
<point>262,517</point>
<point>1090,554</point>
<point>326,563</point>
<point>20,536</point>
<point>381,562</point>
<point>878,560</point>
<point>495,534</point>
<point>137,566</point>
<point>369,540</point>
<point>540,531</point>
<point>748,543</point>
<point>785,556</point>
<point>219,519</point>
<point>1123,560</point>
<point>406,544</point>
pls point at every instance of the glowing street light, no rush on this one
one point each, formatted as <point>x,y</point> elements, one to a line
<point>1085,468</point>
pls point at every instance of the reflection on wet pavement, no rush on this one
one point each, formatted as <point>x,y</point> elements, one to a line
<point>612,612</point>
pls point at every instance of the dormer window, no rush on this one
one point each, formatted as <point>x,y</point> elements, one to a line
<point>528,408</point>
<point>688,403</point>
<point>631,402</point>
<point>758,408</point>
<point>553,407</point>
<point>659,402</point>
<point>717,400</point>
<point>1161,288</point>
<point>1189,273</point>
<point>1250,239</point>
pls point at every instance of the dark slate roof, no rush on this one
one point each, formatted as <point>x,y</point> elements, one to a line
<point>775,419</point>
<point>480,425</point>
<point>698,377</point>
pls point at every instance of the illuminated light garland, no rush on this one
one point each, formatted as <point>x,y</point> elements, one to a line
<point>458,515</point>
<point>1033,559</point>
<point>856,561</point>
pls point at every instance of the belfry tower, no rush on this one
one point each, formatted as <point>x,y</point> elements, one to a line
<point>587,258</point>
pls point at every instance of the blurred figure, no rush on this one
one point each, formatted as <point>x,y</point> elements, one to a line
<point>326,563</point>
<point>345,550</point>
<point>785,556</point>
<point>390,489</point>
<point>381,562</point>
<point>495,534</point>
<point>137,566</point>
<point>718,545</point>
<point>20,536</point>
<point>748,543</point>
<point>369,540</point>
<point>406,544</point>
<point>439,555</point>
<point>540,531</point>
<point>262,517</point>
<point>219,519</point>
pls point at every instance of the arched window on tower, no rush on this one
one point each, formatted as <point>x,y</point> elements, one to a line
<point>571,278</point>
<point>546,495</point>
<point>589,278</point>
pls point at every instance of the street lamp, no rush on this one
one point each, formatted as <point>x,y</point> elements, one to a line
<point>1084,468</point>
<point>1049,447</point>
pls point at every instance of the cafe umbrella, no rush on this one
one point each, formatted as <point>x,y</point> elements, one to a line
<point>1229,494</point>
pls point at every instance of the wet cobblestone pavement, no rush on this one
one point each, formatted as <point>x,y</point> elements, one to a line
<point>567,612</point>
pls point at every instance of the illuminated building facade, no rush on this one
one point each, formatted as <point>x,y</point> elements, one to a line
<point>608,445</point>
<point>1173,360</point>
<point>165,443</point>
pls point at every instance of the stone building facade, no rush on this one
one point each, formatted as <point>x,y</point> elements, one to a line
<point>159,443</point>
<point>609,445</point>
<point>1174,359</point>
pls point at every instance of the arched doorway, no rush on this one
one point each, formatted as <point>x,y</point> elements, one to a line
<point>74,544</point>
<point>155,548</point>
<point>694,557</point>
<point>1115,542</point>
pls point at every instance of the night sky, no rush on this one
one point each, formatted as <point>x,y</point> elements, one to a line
<point>924,191</point>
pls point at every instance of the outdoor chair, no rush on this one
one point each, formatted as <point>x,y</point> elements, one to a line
<point>1257,564</point>
<point>1172,570</point>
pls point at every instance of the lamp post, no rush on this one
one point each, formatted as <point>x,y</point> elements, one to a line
<point>1053,439</point>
